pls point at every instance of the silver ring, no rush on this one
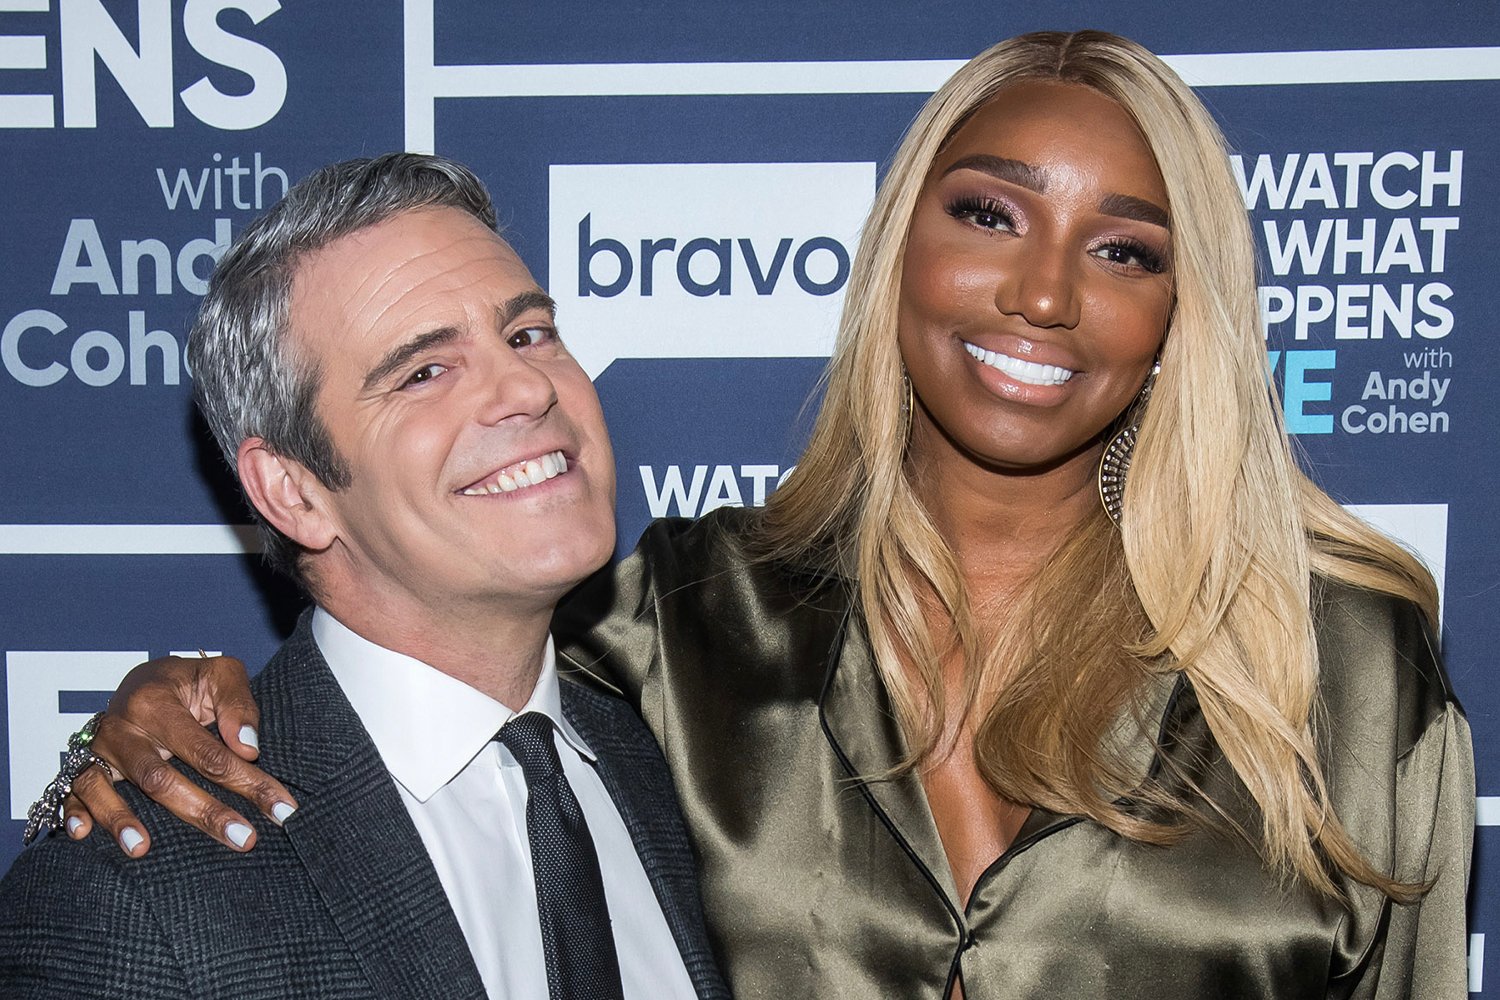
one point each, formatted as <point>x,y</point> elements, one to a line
<point>45,814</point>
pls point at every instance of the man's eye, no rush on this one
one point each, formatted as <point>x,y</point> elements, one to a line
<point>424,374</point>
<point>529,337</point>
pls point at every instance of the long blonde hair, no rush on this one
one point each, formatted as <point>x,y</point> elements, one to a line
<point>1212,569</point>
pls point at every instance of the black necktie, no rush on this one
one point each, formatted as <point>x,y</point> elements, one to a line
<point>576,937</point>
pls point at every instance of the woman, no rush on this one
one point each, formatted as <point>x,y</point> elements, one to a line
<point>944,723</point>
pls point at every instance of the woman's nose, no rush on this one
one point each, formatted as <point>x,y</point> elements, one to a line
<point>1041,288</point>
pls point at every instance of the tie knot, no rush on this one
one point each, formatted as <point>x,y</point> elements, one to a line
<point>529,738</point>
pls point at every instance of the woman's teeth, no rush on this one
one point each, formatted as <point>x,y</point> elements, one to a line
<point>1028,372</point>
<point>522,475</point>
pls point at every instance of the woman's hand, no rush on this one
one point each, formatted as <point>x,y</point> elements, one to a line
<point>159,712</point>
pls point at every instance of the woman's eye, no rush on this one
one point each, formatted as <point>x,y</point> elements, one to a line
<point>1132,255</point>
<point>982,212</point>
<point>529,337</point>
<point>424,374</point>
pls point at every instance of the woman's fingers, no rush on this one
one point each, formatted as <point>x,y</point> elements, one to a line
<point>94,790</point>
<point>159,713</point>
<point>138,758</point>
<point>160,710</point>
<point>76,819</point>
<point>214,761</point>
<point>95,796</point>
<point>225,685</point>
<point>160,695</point>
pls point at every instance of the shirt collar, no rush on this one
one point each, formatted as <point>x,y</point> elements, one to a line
<point>427,725</point>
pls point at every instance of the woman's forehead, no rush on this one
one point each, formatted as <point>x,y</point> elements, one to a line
<point>1040,129</point>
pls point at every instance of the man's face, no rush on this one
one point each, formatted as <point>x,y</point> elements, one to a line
<point>482,473</point>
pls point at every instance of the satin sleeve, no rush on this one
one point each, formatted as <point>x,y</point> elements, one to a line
<point>607,629</point>
<point>1426,943</point>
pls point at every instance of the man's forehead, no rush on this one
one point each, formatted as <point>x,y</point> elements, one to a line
<point>419,261</point>
<point>410,235</point>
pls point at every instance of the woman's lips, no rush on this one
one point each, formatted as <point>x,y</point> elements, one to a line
<point>1023,371</point>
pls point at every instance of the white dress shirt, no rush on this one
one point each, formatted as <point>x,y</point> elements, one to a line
<point>467,796</point>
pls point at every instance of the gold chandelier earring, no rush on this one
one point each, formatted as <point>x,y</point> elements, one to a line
<point>1114,464</point>
<point>908,403</point>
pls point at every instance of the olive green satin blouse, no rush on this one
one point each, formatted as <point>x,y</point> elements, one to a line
<point>761,687</point>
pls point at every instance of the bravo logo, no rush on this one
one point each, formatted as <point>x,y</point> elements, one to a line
<point>703,260</point>
<point>90,38</point>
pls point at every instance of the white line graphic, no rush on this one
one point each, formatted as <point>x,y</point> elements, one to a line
<point>241,539</point>
<point>128,539</point>
<point>427,82</point>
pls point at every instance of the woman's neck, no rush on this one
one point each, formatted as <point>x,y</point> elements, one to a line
<point>1001,525</point>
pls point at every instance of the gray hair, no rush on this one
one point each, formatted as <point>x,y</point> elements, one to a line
<point>250,381</point>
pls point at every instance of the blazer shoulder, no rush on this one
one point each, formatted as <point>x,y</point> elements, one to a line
<point>607,719</point>
<point>71,868</point>
<point>75,920</point>
<point>1379,648</point>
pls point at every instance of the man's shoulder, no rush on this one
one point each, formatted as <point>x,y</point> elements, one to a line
<point>176,847</point>
<point>187,885</point>
<point>181,858</point>
<point>57,870</point>
<point>74,922</point>
<point>209,910</point>
<point>183,920</point>
<point>631,763</point>
<point>608,723</point>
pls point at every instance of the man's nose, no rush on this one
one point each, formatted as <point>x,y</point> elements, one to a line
<point>514,387</point>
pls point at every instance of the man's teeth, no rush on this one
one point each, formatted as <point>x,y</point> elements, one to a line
<point>1028,372</point>
<point>522,475</point>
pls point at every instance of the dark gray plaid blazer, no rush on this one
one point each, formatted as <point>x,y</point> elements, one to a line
<point>343,902</point>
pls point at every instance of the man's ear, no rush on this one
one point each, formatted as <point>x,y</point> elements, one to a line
<point>287,495</point>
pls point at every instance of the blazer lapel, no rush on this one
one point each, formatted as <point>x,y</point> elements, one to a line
<point>635,776</point>
<point>354,836</point>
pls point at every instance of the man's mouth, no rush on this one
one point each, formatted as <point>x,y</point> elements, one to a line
<point>1026,372</point>
<point>520,476</point>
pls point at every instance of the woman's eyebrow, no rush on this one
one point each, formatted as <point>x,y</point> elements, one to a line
<point>1124,206</point>
<point>1028,176</point>
<point>1034,178</point>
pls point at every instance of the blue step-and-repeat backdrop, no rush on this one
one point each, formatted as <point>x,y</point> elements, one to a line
<point>688,180</point>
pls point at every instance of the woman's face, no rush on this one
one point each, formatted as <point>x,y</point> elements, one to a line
<point>1037,282</point>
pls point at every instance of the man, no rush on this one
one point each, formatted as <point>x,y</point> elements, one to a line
<point>425,457</point>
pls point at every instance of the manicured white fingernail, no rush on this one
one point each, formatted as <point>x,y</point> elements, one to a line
<point>249,738</point>
<point>130,839</point>
<point>239,833</point>
<point>282,811</point>
<point>74,823</point>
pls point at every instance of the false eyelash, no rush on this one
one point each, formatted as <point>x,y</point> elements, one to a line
<point>1150,259</point>
<point>972,205</point>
